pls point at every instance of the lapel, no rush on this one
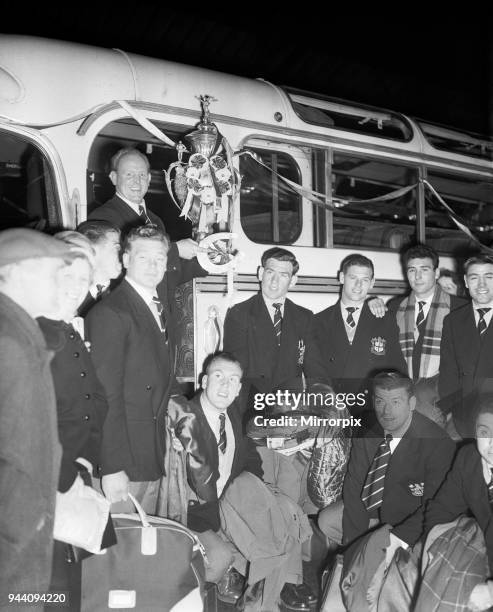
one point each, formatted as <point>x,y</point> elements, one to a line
<point>207,433</point>
<point>261,323</point>
<point>140,309</point>
<point>471,350</point>
<point>290,335</point>
<point>236,424</point>
<point>163,352</point>
<point>405,452</point>
<point>363,329</point>
<point>126,211</point>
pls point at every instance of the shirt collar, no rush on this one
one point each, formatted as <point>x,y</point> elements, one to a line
<point>427,300</point>
<point>144,292</point>
<point>93,289</point>
<point>344,305</point>
<point>270,303</point>
<point>208,408</point>
<point>134,207</point>
<point>476,306</point>
<point>486,470</point>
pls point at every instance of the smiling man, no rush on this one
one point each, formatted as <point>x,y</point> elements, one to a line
<point>354,344</point>
<point>466,364</point>
<point>272,337</point>
<point>247,526</point>
<point>132,349</point>
<point>420,318</point>
<point>131,175</point>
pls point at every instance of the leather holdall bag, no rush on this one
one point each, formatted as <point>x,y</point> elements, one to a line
<point>155,564</point>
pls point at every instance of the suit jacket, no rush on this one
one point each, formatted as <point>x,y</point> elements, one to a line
<point>29,453</point>
<point>117,212</point>
<point>417,468</point>
<point>249,336</point>
<point>135,366</point>
<point>350,366</point>
<point>80,400</point>
<point>464,491</point>
<point>466,366</point>
<point>202,517</point>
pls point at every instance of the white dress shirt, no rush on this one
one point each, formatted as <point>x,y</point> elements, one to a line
<point>134,207</point>
<point>270,306</point>
<point>226,458</point>
<point>487,316</point>
<point>350,331</point>
<point>147,296</point>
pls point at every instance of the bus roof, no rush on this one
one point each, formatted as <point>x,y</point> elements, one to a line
<point>45,81</point>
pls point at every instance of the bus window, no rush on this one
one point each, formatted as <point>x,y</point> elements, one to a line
<point>126,133</point>
<point>471,198</point>
<point>27,195</point>
<point>386,224</point>
<point>270,211</point>
<point>327,112</point>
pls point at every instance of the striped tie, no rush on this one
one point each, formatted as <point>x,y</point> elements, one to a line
<point>482,327</point>
<point>421,315</point>
<point>143,214</point>
<point>349,320</point>
<point>221,445</point>
<point>277,322</point>
<point>372,493</point>
<point>490,489</point>
<point>162,319</point>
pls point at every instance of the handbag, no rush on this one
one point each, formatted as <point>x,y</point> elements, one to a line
<point>81,516</point>
<point>156,563</point>
<point>328,464</point>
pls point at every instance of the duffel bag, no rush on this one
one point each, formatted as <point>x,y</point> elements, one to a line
<point>155,564</point>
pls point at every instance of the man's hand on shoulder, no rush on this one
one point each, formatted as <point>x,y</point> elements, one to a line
<point>115,486</point>
<point>188,248</point>
<point>377,307</point>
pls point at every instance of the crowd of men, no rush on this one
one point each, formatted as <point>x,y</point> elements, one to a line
<point>88,390</point>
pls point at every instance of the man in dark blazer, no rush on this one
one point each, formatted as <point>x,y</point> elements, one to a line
<point>273,355</point>
<point>131,176</point>
<point>231,454</point>
<point>132,349</point>
<point>420,317</point>
<point>466,364</point>
<point>416,459</point>
<point>355,344</point>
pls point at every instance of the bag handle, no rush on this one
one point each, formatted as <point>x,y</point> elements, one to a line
<point>140,511</point>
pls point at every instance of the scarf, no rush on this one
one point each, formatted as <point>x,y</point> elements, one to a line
<point>432,334</point>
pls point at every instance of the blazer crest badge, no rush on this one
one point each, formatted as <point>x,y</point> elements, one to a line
<point>378,346</point>
<point>417,488</point>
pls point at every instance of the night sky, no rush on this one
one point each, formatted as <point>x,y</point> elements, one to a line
<point>439,69</point>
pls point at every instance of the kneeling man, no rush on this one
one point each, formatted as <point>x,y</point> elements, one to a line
<point>393,469</point>
<point>247,522</point>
